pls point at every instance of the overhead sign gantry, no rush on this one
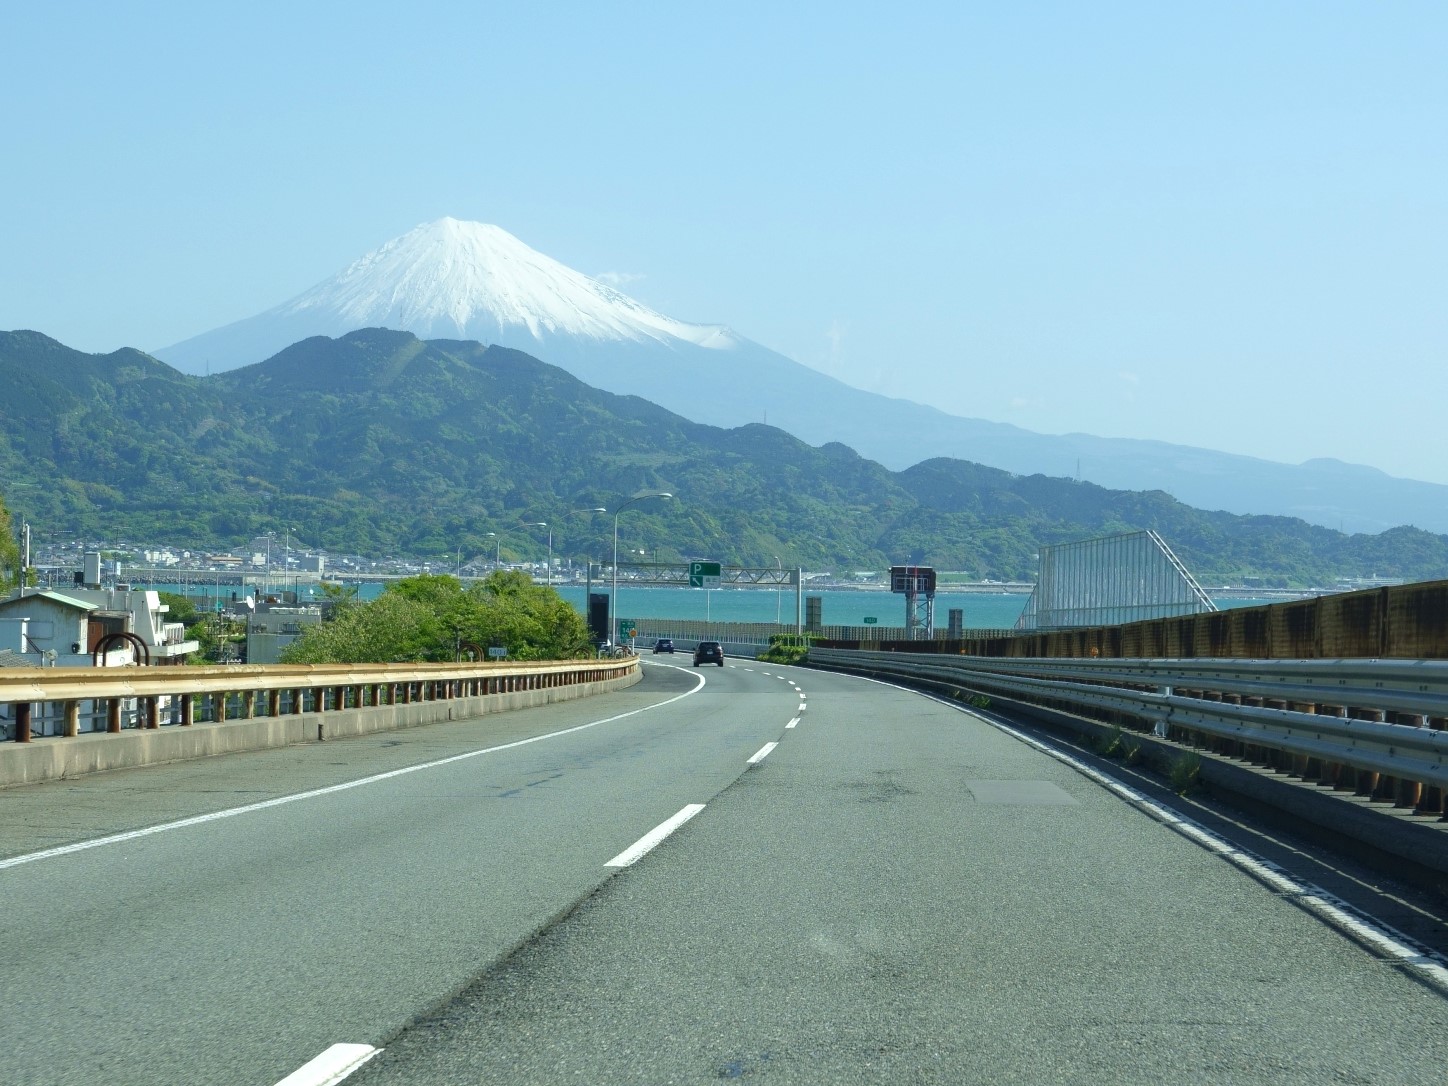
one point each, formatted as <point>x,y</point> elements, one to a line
<point>913,582</point>
<point>713,575</point>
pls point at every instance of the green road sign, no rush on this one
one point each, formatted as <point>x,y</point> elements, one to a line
<point>627,628</point>
<point>870,620</point>
<point>704,574</point>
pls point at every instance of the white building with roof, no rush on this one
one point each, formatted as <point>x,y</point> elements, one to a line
<point>50,628</point>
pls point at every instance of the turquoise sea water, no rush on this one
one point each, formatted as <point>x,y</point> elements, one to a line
<point>842,606</point>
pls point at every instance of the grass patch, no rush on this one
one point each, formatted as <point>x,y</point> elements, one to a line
<point>1185,773</point>
<point>1109,745</point>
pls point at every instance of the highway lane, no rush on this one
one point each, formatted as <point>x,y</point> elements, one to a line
<point>899,892</point>
<point>234,949</point>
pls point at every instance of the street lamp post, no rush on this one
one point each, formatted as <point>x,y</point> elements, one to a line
<point>573,513</point>
<point>777,591</point>
<point>549,568</point>
<point>497,550</point>
<point>613,596</point>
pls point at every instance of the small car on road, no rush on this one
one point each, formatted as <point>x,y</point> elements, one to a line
<point>663,644</point>
<point>709,652</point>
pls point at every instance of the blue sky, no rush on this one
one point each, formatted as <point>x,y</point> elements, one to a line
<point>1221,224</point>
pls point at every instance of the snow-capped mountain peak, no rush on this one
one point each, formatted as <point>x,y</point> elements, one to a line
<point>470,280</point>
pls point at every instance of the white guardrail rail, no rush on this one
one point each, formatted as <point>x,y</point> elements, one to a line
<point>1332,710</point>
<point>66,701</point>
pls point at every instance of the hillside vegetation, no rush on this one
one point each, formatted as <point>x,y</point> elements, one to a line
<point>380,443</point>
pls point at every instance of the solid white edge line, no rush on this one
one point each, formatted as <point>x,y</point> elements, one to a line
<point>762,753</point>
<point>1366,930</point>
<point>793,723</point>
<point>649,841</point>
<point>232,812</point>
<point>331,1067</point>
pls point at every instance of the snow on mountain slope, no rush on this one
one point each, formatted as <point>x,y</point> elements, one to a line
<point>448,279</point>
<point>469,277</point>
<point>469,281</point>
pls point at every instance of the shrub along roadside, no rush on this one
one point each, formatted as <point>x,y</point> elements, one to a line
<point>429,618</point>
<point>787,649</point>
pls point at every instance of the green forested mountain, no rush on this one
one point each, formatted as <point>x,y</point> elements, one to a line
<point>380,443</point>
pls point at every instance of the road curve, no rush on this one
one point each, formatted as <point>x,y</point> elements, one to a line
<point>869,886</point>
<point>232,947</point>
<point>901,893</point>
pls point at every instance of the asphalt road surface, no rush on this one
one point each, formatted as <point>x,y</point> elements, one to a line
<point>897,892</point>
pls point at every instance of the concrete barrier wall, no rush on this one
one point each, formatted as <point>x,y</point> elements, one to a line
<point>96,752</point>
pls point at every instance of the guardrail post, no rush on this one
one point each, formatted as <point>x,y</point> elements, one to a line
<point>248,704</point>
<point>71,709</point>
<point>1407,794</point>
<point>113,716</point>
<point>188,710</point>
<point>339,697</point>
<point>22,721</point>
<point>1431,802</point>
<point>273,703</point>
<point>218,702</point>
<point>150,712</point>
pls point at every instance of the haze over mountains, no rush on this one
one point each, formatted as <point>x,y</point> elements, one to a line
<point>380,443</point>
<point>470,281</point>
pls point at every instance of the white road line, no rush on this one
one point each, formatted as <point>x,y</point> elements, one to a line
<point>649,841</point>
<point>331,1067</point>
<point>793,683</point>
<point>761,754</point>
<point>232,812</point>
<point>793,723</point>
<point>802,705</point>
<point>1365,929</point>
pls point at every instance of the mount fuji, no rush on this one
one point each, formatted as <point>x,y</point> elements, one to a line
<point>454,280</point>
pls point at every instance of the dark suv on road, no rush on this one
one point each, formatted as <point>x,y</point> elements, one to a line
<point>709,652</point>
<point>663,644</point>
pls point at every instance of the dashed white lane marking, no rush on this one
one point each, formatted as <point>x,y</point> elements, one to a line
<point>232,812</point>
<point>649,841</point>
<point>793,723</point>
<point>761,754</point>
<point>793,683</point>
<point>1363,928</point>
<point>331,1067</point>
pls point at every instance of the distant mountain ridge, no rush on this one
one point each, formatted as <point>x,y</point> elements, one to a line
<point>378,442</point>
<point>471,281</point>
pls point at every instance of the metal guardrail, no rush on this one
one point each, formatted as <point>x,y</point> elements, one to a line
<point>1215,697</point>
<point>287,688</point>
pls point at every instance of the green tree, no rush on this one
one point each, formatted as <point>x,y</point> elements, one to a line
<point>10,571</point>
<point>426,617</point>
<point>181,609</point>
